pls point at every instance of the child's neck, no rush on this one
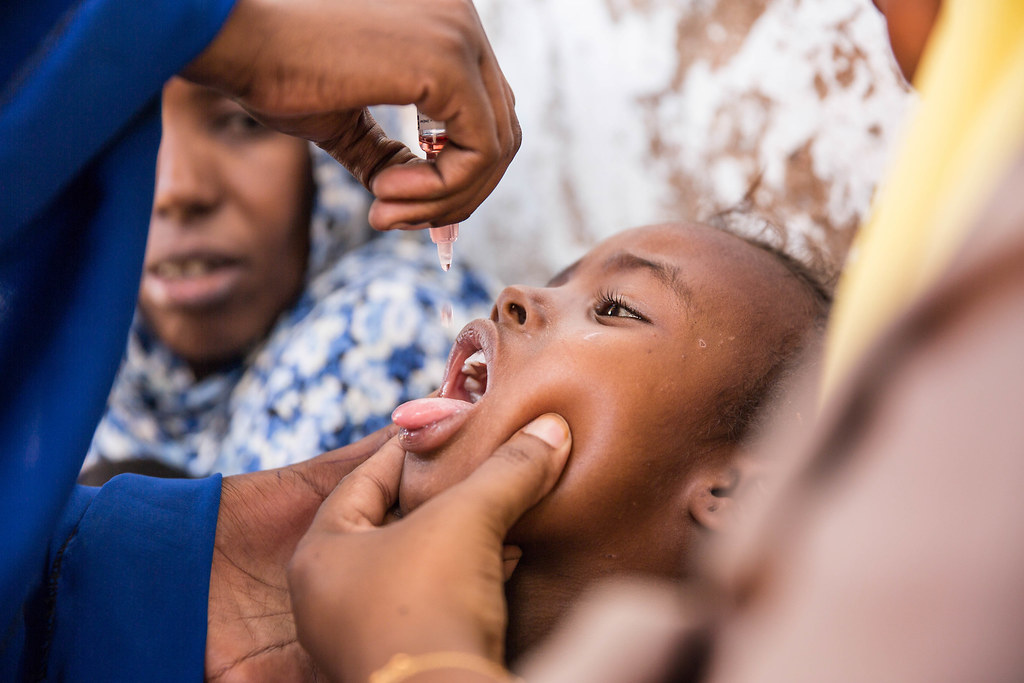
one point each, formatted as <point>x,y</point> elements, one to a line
<point>546,585</point>
<point>538,598</point>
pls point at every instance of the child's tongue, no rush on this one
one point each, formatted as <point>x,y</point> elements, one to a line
<point>428,423</point>
<point>417,414</point>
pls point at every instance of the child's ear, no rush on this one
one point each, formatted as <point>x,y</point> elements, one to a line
<point>715,496</point>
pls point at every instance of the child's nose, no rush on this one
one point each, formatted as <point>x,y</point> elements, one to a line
<point>519,306</point>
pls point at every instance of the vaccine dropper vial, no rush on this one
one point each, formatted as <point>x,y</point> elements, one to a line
<point>433,136</point>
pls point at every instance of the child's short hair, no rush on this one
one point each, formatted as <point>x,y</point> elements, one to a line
<point>742,406</point>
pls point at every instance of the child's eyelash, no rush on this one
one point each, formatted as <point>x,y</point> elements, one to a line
<point>611,304</point>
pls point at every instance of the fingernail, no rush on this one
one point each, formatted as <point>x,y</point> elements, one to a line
<point>551,429</point>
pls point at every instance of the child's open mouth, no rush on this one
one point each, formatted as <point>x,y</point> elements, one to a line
<point>466,375</point>
<point>475,372</point>
<point>426,422</point>
<point>470,382</point>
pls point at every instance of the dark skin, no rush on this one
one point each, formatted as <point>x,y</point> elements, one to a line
<point>910,23</point>
<point>262,516</point>
<point>317,65</point>
<point>432,599</point>
<point>632,345</point>
<point>229,233</point>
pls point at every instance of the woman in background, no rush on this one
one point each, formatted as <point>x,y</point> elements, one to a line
<point>273,324</point>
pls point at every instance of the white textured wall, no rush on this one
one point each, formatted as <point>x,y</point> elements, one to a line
<point>646,110</point>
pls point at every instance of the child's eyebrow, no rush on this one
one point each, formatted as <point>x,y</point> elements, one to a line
<point>665,273</point>
<point>563,276</point>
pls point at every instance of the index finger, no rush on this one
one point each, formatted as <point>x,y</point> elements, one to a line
<point>474,145</point>
<point>479,149</point>
<point>364,148</point>
<point>363,497</point>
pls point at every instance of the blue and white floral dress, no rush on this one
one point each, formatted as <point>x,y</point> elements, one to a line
<point>364,336</point>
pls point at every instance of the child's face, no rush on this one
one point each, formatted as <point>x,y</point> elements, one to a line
<point>229,233</point>
<point>632,346</point>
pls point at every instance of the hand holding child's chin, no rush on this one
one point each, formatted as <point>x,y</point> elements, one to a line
<point>262,516</point>
<point>432,580</point>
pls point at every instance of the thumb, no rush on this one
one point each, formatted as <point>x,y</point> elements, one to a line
<point>519,473</point>
<point>363,498</point>
<point>364,148</point>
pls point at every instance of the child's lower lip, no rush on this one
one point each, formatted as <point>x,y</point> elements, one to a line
<point>429,422</point>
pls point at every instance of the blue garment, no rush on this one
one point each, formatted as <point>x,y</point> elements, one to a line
<point>80,597</point>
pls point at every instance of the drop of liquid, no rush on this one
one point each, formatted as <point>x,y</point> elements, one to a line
<point>446,314</point>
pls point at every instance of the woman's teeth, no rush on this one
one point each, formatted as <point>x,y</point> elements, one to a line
<point>181,269</point>
<point>475,371</point>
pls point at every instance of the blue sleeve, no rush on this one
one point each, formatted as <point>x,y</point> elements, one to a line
<point>79,130</point>
<point>124,594</point>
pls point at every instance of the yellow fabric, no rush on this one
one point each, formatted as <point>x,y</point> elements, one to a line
<point>967,130</point>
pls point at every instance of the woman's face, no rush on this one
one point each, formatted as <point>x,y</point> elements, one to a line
<point>633,346</point>
<point>229,233</point>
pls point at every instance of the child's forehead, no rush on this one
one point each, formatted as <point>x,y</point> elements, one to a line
<point>623,253</point>
<point>700,259</point>
<point>724,275</point>
<point>691,248</point>
<point>636,241</point>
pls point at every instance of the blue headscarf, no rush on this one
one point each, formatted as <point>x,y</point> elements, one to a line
<point>364,335</point>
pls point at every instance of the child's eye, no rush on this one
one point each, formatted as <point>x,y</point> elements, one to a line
<point>611,306</point>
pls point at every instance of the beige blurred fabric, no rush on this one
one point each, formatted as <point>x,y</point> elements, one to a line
<point>896,550</point>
